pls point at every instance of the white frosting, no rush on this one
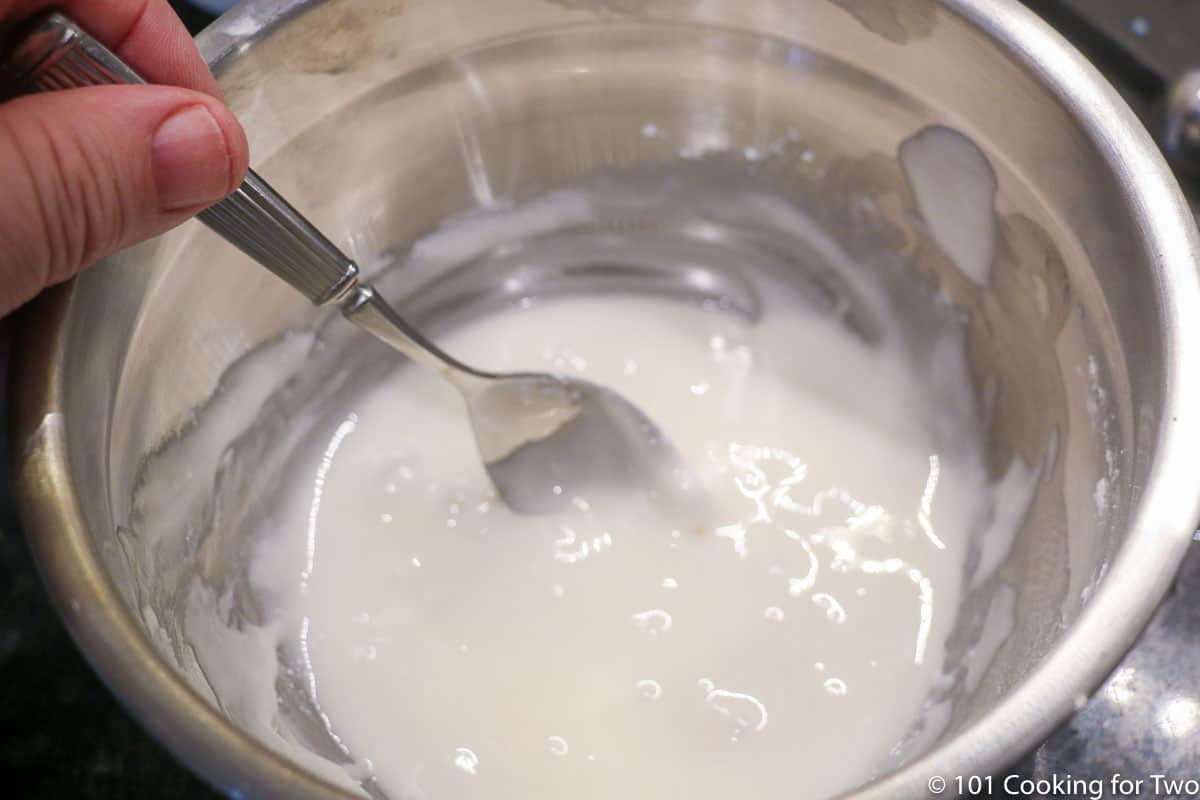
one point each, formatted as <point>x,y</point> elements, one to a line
<point>785,635</point>
<point>955,189</point>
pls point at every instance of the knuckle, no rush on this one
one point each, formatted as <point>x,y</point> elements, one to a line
<point>69,207</point>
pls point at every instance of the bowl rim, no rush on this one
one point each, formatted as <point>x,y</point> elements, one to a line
<point>1159,532</point>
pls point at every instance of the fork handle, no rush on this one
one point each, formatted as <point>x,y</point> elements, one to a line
<point>55,54</point>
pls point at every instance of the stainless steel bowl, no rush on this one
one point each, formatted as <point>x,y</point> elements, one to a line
<point>381,118</point>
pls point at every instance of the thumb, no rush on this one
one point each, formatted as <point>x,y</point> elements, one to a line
<point>86,172</point>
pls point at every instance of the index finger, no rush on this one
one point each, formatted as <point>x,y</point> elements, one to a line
<point>145,33</point>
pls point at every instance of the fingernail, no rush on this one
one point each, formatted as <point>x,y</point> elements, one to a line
<point>190,159</point>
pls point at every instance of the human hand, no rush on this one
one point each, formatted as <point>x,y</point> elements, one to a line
<point>86,172</point>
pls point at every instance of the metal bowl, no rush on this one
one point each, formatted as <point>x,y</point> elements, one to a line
<point>381,118</point>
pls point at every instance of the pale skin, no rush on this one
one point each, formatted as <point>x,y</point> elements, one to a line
<point>87,172</point>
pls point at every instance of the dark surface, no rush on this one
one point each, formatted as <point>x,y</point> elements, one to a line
<point>1151,36</point>
<point>194,18</point>
<point>63,736</point>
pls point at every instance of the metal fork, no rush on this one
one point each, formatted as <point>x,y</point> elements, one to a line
<point>544,438</point>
